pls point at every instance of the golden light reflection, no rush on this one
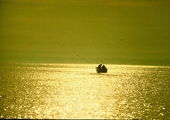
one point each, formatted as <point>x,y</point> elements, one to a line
<point>76,91</point>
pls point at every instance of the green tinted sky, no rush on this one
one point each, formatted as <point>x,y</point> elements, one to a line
<point>91,28</point>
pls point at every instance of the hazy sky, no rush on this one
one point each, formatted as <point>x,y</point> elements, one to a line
<point>90,28</point>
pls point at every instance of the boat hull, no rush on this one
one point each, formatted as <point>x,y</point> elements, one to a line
<point>101,70</point>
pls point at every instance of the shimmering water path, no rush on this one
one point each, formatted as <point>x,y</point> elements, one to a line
<point>76,91</point>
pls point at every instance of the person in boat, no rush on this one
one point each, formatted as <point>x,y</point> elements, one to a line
<point>103,67</point>
<point>99,66</point>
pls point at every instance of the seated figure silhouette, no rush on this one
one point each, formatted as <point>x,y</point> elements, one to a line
<point>99,66</point>
<point>103,67</point>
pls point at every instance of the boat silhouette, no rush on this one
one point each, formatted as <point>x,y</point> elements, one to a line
<point>101,69</point>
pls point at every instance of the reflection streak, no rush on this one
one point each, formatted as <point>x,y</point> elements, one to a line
<point>75,91</point>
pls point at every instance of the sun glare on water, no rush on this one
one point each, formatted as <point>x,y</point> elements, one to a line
<point>77,91</point>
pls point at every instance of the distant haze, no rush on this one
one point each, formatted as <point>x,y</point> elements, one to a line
<point>100,31</point>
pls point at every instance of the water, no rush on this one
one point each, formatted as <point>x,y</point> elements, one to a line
<point>39,90</point>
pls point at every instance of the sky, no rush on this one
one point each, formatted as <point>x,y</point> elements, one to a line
<point>97,30</point>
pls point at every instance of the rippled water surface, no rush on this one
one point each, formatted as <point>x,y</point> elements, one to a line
<point>76,91</point>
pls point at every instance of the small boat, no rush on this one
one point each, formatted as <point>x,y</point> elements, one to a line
<point>101,69</point>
